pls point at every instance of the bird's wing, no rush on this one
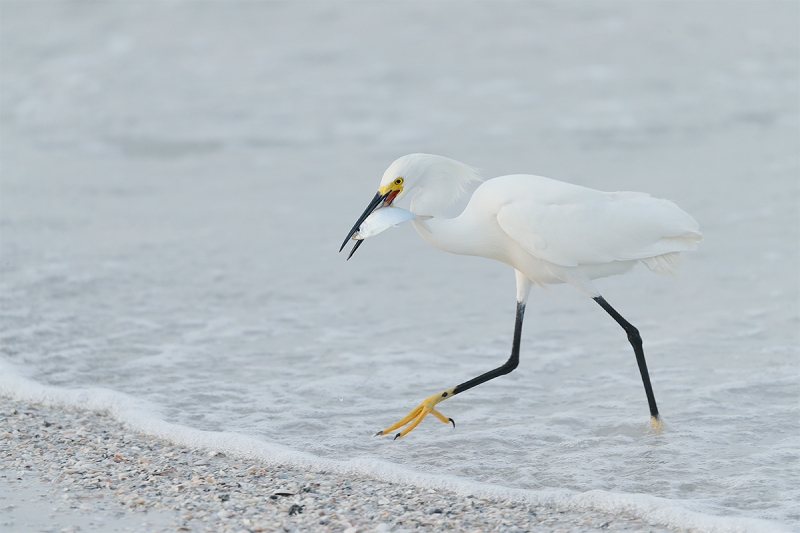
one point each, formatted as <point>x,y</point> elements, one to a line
<point>585,228</point>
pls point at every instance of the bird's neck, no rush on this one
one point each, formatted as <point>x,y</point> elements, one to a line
<point>434,197</point>
<point>454,235</point>
<point>441,182</point>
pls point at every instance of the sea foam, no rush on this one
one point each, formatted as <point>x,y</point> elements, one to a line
<point>144,417</point>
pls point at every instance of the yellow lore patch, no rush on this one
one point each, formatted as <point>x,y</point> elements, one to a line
<point>394,185</point>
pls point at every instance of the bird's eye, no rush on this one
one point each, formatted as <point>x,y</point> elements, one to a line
<point>398,181</point>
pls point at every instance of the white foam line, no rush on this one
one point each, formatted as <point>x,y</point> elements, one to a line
<point>138,416</point>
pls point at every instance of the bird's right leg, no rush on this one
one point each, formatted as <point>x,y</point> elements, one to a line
<point>636,341</point>
<point>415,416</point>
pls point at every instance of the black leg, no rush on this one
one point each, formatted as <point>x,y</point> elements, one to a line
<point>636,341</point>
<point>415,416</point>
<point>509,365</point>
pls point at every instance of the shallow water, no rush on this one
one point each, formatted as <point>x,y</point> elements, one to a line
<point>177,178</point>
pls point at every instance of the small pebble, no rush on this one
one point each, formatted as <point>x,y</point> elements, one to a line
<point>295,509</point>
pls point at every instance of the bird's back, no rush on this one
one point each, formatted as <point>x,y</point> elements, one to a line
<point>570,226</point>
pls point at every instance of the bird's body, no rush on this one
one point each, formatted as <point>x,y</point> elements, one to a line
<point>548,231</point>
<point>556,232</point>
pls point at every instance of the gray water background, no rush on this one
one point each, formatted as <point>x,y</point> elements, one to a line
<point>176,178</point>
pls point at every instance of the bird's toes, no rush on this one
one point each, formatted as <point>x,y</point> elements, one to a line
<point>656,424</point>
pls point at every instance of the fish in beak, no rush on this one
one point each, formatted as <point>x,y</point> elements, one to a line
<point>383,198</point>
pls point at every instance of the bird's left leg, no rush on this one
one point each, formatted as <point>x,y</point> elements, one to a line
<point>416,415</point>
<point>428,405</point>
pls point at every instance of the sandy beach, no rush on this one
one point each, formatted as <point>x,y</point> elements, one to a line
<point>69,470</point>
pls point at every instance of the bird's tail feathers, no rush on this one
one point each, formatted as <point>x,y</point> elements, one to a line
<point>669,261</point>
<point>664,264</point>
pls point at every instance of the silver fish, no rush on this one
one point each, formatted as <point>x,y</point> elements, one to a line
<point>381,220</point>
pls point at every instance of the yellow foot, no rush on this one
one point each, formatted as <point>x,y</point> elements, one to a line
<point>657,425</point>
<point>415,416</point>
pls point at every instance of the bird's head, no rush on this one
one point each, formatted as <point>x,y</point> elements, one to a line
<point>439,182</point>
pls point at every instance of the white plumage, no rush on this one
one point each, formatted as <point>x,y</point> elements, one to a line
<point>548,231</point>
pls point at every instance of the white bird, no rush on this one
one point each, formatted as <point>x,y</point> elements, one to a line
<point>548,231</point>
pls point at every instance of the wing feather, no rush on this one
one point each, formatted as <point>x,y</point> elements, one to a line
<point>569,225</point>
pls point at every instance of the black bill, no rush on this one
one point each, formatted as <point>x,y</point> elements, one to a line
<point>374,204</point>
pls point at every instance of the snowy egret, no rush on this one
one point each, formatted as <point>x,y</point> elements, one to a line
<point>548,231</point>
